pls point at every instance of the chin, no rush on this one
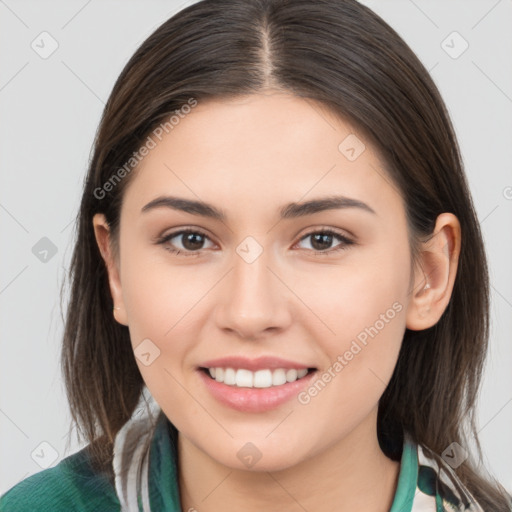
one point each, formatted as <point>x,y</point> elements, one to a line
<point>259,456</point>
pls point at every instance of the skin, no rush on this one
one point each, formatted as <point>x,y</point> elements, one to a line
<point>250,157</point>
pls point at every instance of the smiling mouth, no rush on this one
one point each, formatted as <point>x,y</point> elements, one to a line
<point>265,378</point>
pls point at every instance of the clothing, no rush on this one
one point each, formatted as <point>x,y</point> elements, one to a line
<point>72,484</point>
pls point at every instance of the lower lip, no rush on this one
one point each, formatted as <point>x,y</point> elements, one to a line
<point>254,399</point>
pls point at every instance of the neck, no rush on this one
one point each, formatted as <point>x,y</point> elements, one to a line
<point>353,474</point>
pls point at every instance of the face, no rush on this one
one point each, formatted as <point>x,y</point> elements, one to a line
<point>263,286</point>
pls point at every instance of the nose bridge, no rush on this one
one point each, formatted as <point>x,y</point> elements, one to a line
<point>253,299</point>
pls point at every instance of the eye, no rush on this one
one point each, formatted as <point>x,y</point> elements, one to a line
<point>191,241</point>
<point>322,239</point>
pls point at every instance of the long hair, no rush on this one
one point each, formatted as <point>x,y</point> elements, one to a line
<point>341,54</point>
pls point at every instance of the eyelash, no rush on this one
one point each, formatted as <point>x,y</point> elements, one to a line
<point>346,242</point>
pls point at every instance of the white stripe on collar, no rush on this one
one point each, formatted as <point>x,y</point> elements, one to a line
<point>131,455</point>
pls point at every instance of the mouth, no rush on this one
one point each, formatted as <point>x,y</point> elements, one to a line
<point>260,379</point>
<point>254,385</point>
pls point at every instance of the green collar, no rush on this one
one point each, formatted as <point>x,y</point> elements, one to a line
<point>407,478</point>
<point>163,472</point>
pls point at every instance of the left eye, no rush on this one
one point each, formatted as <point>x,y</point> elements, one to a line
<point>192,242</point>
<point>321,239</point>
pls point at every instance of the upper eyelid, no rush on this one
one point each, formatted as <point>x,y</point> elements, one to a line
<point>183,231</point>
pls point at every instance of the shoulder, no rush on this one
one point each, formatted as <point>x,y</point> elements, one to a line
<point>70,485</point>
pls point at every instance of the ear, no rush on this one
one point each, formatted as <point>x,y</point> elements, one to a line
<point>435,275</point>
<point>102,234</point>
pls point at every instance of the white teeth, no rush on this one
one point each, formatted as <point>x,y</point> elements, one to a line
<point>260,379</point>
<point>230,376</point>
<point>301,373</point>
<point>278,377</point>
<point>244,378</point>
<point>291,375</point>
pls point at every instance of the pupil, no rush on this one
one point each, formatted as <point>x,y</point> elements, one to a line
<point>318,239</point>
<point>192,241</point>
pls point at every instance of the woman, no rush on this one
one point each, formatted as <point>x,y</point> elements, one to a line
<point>278,254</point>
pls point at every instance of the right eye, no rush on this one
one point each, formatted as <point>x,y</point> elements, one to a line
<point>191,241</point>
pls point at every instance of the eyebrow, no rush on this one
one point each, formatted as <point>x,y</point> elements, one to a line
<point>289,211</point>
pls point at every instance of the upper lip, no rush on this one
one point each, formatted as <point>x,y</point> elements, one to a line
<point>260,363</point>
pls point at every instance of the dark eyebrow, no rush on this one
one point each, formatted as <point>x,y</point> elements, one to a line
<point>186,205</point>
<point>293,210</point>
<point>290,211</point>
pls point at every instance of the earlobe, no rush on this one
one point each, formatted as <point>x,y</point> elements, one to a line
<point>102,234</point>
<point>435,274</point>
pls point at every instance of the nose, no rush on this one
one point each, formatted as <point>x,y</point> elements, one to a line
<point>254,301</point>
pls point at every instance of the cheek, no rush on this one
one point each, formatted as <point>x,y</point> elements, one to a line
<point>158,295</point>
<point>157,298</point>
<point>362,325</point>
<point>159,304</point>
<point>361,361</point>
<point>364,339</point>
<point>366,288</point>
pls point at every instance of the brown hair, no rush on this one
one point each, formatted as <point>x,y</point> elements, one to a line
<point>341,54</point>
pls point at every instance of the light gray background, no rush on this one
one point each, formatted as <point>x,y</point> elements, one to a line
<point>50,109</point>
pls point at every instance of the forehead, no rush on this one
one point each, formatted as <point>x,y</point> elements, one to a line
<point>261,150</point>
